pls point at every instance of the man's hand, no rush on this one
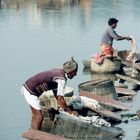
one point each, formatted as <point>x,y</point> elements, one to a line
<point>64,106</point>
<point>128,38</point>
<point>74,113</point>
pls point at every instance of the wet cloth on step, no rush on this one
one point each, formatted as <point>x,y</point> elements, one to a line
<point>98,58</point>
<point>99,121</point>
<point>81,101</point>
<point>94,120</point>
<point>90,103</point>
<point>76,103</point>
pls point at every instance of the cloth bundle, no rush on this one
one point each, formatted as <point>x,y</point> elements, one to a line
<point>95,120</point>
<point>81,101</point>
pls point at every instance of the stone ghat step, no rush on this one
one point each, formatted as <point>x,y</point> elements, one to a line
<point>39,135</point>
<point>127,78</point>
<point>105,100</point>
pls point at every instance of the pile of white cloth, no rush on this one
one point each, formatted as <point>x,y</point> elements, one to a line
<point>94,120</point>
<point>90,103</point>
<point>79,102</point>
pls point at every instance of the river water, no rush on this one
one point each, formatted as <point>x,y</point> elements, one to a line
<point>36,35</point>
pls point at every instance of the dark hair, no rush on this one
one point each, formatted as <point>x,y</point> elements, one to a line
<point>112,21</point>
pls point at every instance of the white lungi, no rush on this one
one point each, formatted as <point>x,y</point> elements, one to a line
<point>32,100</point>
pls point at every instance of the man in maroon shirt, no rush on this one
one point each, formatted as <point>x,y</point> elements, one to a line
<point>55,80</point>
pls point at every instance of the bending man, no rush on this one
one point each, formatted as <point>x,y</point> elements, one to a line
<point>54,79</point>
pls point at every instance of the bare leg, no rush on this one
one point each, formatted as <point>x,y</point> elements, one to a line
<point>37,118</point>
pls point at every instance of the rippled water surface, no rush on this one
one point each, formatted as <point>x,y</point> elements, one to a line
<point>36,35</point>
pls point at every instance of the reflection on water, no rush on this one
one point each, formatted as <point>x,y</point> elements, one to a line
<point>96,76</point>
<point>10,4</point>
<point>44,4</point>
<point>56,4</point>
<point>138,137</point>
<point>110,76</point>
<point>38,10</point>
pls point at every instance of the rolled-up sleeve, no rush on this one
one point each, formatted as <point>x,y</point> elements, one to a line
<point>61,87</point>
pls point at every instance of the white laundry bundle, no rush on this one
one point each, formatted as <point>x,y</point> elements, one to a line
<point>95,120</point>
<point>90,103</point>
<point>99,121</point>
<point>84,119</point>
<point>81,101</point>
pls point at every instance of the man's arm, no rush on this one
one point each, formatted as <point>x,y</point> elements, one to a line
<point>60,99</point>
<point>123,38</point>
<point>118,37</point>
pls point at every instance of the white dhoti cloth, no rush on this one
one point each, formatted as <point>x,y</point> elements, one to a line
<point>32,100</point>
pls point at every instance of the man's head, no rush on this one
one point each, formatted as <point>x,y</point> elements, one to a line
<point>112,22</point>
<point>70,67</point>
